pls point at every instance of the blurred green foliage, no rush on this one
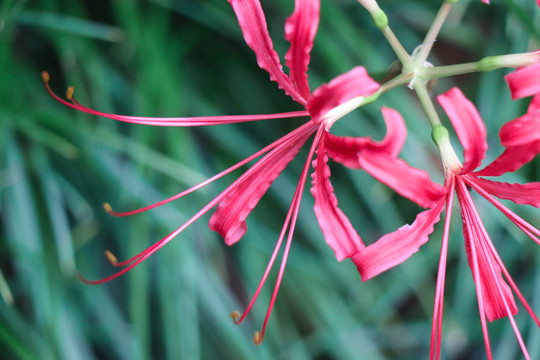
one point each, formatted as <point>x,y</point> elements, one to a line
<point>188,58</point>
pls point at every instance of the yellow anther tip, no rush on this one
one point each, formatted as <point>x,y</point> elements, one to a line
<point>112,259</point>
<point>257,338</point>
<point>235,315</point>
<point>45,76</point>
<point>69,92</point>
<point>107,207</point>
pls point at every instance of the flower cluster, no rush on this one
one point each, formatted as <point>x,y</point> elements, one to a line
<point>330,102</point>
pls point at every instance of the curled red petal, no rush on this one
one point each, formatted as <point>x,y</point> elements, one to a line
<point>523,194</point>
<point>409,182</point>
<point>394,248</point>
<point>347,86</point>
<point>395,135</point>
<point>345,149</point>
<point>524,82</point>
<point>511,159</point>
<point>253,24</point>
<point>521,131</point>
<point>535,104</point>
<point>469,127</point>
<point>229,217</point>
<point>300,30</point>
<point>336,227</point>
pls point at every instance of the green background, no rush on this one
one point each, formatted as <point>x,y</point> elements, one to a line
<point>188,58</point>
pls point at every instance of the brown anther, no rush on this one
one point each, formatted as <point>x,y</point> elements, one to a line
<point>257,338</point>
<point>45,76</point>
<point>235,315</point>
<point>69,92</point>
<point>112,259</point>
<point>107,208</point>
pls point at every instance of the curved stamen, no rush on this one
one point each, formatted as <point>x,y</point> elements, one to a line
<point>164,121</point>
<point>137,259</point>
<point>509,278</point>
<point>476,271</point>
<point>436,329</point>
<point>479,227</point>
<point>235,314</point>
<point>258,336</point>
<point>293,134</point>
<point>527,228</point>
<point>476,229</point>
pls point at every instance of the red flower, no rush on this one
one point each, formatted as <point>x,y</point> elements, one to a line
<point>325,105</point>
<point>495,299</point>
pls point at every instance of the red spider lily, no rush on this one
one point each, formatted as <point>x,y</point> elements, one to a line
<point>495,299</point>
<point>325,105</point>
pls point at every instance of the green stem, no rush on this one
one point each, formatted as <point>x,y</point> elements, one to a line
<point>433,31</point>
<point>427,104</point>
<point>449,70</point>
<point>489,63</point>
<point>399,50</point>
<point>399,80</point>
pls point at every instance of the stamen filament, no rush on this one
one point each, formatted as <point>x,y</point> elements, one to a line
<point>436,330</point>
<point>505,272</point>
<point>527,228</point>
<point>164,121</point>
<point>280,141</point>
<point>476,273</point>
<point>479,228</point>
<point>306,129</point>
<point>296,204</point>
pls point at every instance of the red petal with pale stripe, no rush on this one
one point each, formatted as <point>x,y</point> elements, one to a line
<point>523,194</point>
<point>253,24</point>
<point>524,81</point>
<point>336,227</point>
<point>231,213</point>
<point>300,30</point>
<point>347,86</point>
<point>468,125</point>
<point>409,182</point>
<point>394,248</point>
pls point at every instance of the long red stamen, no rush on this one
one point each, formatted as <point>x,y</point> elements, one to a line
<point>282,140</point>
<point>516,219</point>
<point>137,259</point>
<point>481,239</point>
<point>476,271</point>
<point>507,274</point>
<point>289,224</point>
<point>258,337</point>
<point>482,243</point>
<point>164,121</point>
<point>436,329</point>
